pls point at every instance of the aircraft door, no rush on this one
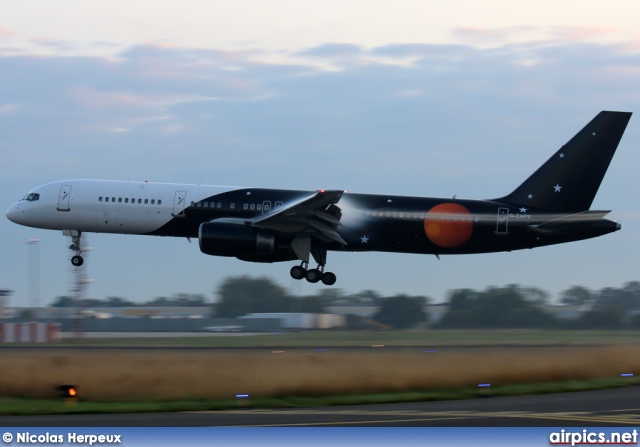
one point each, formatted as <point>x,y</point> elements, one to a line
<point>502,226</point>
<point>179,202</point>
<point>63,198</point>
<point>266,207</point>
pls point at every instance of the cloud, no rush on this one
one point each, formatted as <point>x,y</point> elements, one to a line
<point>408,118</point>
<point>424,50</point>
<point>579,33</point>
<point>494,37</point>
<point>5,32</point>
<point>157,94</point>
<point>333,50</point>
<point>7,108</point>
<point>54,44</point>
<point>93,101</point>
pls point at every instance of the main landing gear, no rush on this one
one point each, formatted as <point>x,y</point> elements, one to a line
<point>313,275</point>
<point>76,260</point>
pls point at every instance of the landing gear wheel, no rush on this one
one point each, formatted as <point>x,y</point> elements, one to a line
<point>76,260</point>
<point>298,272</point>
<point>314,275</point>
<point>329,278</point>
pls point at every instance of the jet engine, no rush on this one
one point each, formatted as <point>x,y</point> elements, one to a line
<point>230,239</point>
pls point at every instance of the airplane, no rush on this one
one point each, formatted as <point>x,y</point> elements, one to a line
<point>275,225</point>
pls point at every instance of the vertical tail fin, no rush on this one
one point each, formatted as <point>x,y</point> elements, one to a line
<point>569,180</point>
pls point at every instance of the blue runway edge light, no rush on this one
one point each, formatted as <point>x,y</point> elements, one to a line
<point>626,375</point>
<point>484,384</point>
<point>242,396</point>
<point>431,350</point>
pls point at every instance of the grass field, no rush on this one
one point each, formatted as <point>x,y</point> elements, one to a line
<point>387,338</point>
<point>159,380</point>
<point>26,406</point>
<point>174,375</point>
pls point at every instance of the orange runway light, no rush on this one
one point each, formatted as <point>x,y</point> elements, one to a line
<point>67,391</point>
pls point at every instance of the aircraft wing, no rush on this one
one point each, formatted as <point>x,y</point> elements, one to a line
<point>316,216</point>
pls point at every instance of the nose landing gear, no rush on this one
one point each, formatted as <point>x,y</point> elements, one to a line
<point>76,260</point>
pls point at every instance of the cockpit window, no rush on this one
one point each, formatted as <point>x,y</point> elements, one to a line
<point>31,197</point>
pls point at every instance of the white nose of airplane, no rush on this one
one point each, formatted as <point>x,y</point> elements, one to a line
<point>14,213</point>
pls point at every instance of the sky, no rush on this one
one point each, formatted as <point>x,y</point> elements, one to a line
<point>416,98</point>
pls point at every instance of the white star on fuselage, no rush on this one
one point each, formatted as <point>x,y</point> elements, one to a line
<point>561,155</point>
<point>523,210</point>
<point>530,196</point>
<point>557,188</point>
<point>364,239</point>
<point>248,193</point>
<point>389,200</point>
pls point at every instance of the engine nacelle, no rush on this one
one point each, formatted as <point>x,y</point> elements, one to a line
<point>229,239</point>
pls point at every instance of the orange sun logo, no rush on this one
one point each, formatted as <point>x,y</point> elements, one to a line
<point>448,225</point>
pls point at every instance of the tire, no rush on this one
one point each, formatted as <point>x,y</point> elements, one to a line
<point>314,275</point>
<point>77,261</point>
<point>297,272</point>
<point>329,278</point>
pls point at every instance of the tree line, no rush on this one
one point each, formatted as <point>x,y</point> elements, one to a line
<point>511,306</point>
<point>178,300</point>
<point>515,306</point>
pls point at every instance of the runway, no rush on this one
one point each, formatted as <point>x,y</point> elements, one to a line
<point>616,407</point>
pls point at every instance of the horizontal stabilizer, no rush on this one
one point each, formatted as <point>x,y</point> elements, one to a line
<point>571,222</point>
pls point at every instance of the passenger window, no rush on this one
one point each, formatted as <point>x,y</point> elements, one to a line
<point>139,200</point>
<point>100,199</point>
<point>119,199</point>
<point>246,206</point>
<point>232,206</point>
<point>160,202</point>
<point>113,199</point>
<point>126,200</point>
<point>219,205</point>
<point>146,201</point>
<point>258,207</point>
<point>253,206</point>
<point>206,204</point>
<point>153,201</point>
<point>198,204</point>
